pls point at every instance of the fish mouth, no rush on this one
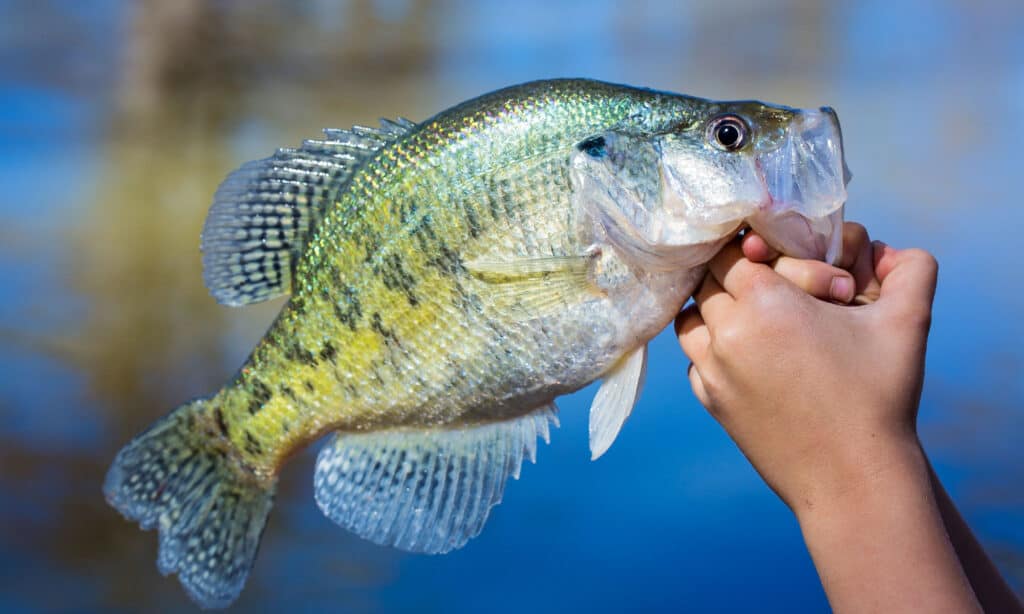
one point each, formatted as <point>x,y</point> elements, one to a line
<point>805,178</point>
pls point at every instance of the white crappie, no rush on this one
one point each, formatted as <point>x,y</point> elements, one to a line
<point>448,281</point>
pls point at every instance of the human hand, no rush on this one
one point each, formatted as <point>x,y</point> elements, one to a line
<point>820,397</point>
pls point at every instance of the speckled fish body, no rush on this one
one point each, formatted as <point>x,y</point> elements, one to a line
<point>448,281</point>
<point>387,326</point>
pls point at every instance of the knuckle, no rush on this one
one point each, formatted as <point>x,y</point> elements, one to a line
<point>855,238</point>
<point>807,279</point>
<point>855,232</point>
<point>760,280</point>
<point>711,380</point>
<point>771,301</point>
<point>924,258</point>
<point>728,338</point>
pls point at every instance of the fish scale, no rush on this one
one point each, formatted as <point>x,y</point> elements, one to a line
<point>534,214</point>
<point>448,280</point>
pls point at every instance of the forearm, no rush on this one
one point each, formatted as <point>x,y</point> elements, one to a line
<point>989,586</point>
<point>881,546</point>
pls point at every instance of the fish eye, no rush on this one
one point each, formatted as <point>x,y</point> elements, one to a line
<point>595,147</point>
<point>728,132</point>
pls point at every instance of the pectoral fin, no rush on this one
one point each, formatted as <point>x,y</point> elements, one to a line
<point>537,284</point>
<point>424,490</point>
<point>615,400</point>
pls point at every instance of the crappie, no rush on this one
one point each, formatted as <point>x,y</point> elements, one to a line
<point>448,281</point>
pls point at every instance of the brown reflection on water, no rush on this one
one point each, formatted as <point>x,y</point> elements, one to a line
<point>191,74</point>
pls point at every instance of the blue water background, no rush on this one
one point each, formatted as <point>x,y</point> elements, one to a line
<point>117,121</point>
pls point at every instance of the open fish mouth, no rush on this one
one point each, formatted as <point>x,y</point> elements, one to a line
<point>805,177</point>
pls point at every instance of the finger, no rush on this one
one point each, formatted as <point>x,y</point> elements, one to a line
<point>737,275</point>
<point>908,279</point>
<point>858,259</point>
<point>712,301</point>
<point>697,384</point>
<point>756,249</point>
<point>817,278</point>
<point>693,334</point>
<point>855,236</point>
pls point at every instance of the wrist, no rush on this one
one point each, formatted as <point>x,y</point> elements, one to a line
<point>858,474</point>
<point>884,530</point>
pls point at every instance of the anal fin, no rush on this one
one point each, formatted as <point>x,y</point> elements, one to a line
<point>425,490</point>
<point>615,400</point>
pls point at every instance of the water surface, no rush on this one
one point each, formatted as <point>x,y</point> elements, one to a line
<point>117,122</point>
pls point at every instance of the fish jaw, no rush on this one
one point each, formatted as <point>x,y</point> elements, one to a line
<point>805,179</point>
<point>666,201</point>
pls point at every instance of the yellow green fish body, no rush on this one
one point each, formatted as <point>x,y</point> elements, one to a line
<point>448,280</point>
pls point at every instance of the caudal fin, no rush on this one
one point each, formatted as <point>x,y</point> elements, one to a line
<point>209,512</point>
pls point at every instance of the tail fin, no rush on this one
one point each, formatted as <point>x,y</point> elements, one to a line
<point>209,511</point>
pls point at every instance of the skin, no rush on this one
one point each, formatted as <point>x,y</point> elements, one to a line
<point>841,449</point>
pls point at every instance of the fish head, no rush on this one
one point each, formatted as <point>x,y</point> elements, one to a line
<point>670,198</point>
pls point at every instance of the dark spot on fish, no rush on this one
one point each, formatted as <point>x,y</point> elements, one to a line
<point>285,426</point>
<point>347,308</point>
<point>472,219</point>
<point>329,352</point>
<point>287,391</point>
<point>377,324</point>
<point>425,226</point>
<point>260,391</point>
<point>251,445</point>
<point>407,211</point>
<point>295,352</point>
<point>219,416</point>
<point>309,386</point>
<point>371,243</point>
<point>465,300</point>
<point>507,201</point>
<point>493,195</point>
<point>446,260</point>
<point>375,373</point>
<point>393,273</point>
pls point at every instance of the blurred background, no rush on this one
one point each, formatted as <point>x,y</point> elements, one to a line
<point>118,119</point>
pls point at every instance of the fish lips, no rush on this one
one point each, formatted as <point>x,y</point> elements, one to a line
<point>806,178</point>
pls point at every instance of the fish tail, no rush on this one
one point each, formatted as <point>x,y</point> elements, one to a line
<point>182,479</point>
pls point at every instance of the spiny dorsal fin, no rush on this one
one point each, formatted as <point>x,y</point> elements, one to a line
<point>424,490</point>
<point>264,213</point>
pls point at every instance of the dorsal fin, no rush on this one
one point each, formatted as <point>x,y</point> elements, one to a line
<point>264,213</point>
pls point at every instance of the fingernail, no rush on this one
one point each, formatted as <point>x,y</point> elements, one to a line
<point>841,289</point>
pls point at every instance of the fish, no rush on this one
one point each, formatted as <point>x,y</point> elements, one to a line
<point>447,280</point>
